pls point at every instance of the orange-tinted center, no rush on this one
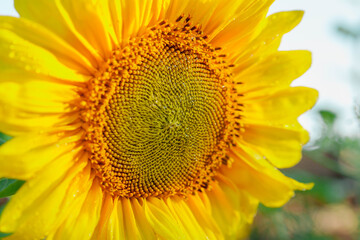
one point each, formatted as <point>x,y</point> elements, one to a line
<point>158,114</point>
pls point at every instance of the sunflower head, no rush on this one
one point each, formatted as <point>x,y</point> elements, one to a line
<point>158,114</point>
<point>148,119</point>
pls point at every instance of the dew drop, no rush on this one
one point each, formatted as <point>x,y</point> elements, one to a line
<point>60,134</point>
<point>27,68</point>
<point>12,55</point>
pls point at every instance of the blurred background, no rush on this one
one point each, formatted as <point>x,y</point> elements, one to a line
<point>331,30</point>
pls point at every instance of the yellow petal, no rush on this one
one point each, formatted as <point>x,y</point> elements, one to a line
<point>35,105</point>
<point>73,201</point>
<point>123,218</point>
<point>267,41</point>
<point>202,211</point>
<point>129,222</point>
<point>184,216</point>
<point>199,11</point>
<point>281,146</point>
<point>19,123</point>
<point>226,206</point>
<point>106,228</point>
<point>131,11</point>
<point>94,13</point>
<point>177,8</point>
<point>137,15</point>
<point>37,96</point>
<point>252,173</point>
<point>238,33</point>
<point>53,16</point>
<point>204,12</point>
<point>275,72</point>
<point>143,226</point>
<point>35,209</point>
<point>126,19</point>
<point>81,222</point>
<point>222,13</point>
<point>116,19</point>
<point>283,22</point>
<point>110,226</point>
<point>118,219</point>
<point>35,152</point>
<point>282,107</point>
<point>162,220</point>
<point>248,204</point>
<point>241,28</point>
<point>18,53</point>
<point>40,36</point>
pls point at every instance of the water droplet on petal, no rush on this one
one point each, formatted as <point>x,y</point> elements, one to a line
<point>12,55</point>
<point>27,68</point>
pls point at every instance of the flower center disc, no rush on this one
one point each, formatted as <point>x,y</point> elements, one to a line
<point>160,124</point>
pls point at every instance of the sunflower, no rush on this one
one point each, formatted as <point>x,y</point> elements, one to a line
<point>148,119</point>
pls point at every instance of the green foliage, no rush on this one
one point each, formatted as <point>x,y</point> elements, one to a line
<point>2,235</point>
<point>336,153</point>
<point>4,138</point>
<point>328,117</point>
<point>327,190</point>
<point>9,187</point>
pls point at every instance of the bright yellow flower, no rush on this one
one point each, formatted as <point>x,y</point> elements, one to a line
<point>148,119</point>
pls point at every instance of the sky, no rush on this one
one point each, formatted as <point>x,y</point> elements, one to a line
<point>333,58</point>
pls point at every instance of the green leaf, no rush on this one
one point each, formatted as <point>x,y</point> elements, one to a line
<point>4,138</point>
<point>328,117</point>
<point>9,187</point>
<point>2,235</point>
